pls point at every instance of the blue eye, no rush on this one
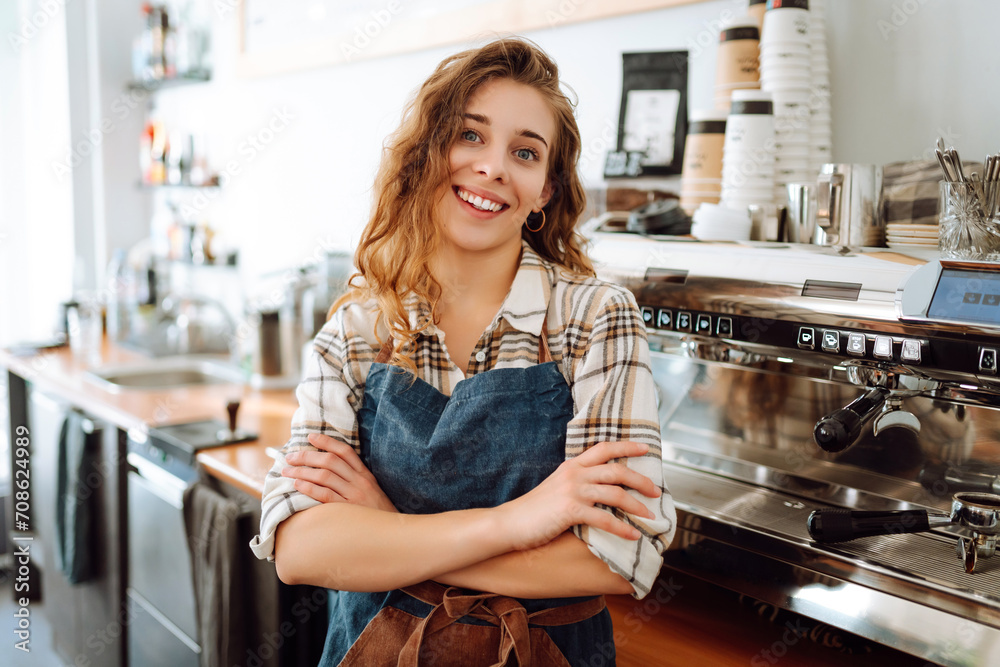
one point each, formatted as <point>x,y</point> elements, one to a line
<point>526,154</point>
<point>469,135</point>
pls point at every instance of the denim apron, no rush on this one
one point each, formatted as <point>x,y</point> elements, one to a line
<point>499,435</point>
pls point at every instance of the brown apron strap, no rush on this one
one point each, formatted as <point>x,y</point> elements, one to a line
<point>450,604</point>
<point>385,354</point>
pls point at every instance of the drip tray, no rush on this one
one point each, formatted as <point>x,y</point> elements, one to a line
<point>185,440</point>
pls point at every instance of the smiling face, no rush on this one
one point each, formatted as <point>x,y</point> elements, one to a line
<point>499,168</point>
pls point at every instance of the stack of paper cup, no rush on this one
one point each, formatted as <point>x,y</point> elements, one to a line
<point>736,66</point>
<point>785,73</point>
<point>712,222</point>
<point>748,152</point>
<point>820,127</point>
<point>701,173</point>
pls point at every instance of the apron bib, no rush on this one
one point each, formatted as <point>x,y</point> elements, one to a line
<point>499,435</point>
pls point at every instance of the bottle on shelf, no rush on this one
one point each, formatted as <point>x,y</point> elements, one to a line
<point>120,297</point>
<point>172,157</point>
<point>173,45</point>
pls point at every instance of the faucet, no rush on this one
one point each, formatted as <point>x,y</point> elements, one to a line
<point>188,332</point>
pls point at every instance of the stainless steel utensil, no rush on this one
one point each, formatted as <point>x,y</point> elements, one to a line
<point>849,206</point>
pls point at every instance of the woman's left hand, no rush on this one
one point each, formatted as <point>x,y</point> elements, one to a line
<point>335,474</point>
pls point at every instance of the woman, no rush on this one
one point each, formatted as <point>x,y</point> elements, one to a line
<point>478,413</point>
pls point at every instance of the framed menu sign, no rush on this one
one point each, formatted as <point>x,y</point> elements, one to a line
<point>284,35</point>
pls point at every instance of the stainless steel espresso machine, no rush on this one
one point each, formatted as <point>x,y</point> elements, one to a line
<point>811,395</point>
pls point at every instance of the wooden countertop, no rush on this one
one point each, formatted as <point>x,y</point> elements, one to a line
<point>265,412</point>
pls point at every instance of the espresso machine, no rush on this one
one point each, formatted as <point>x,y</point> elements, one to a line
<point>831,430</point>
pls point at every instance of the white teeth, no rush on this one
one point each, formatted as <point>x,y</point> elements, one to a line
<point>479,202</point>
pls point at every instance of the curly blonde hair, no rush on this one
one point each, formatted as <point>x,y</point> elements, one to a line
<point>401,237</point>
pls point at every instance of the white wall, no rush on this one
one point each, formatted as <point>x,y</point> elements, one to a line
<point>903,72</point>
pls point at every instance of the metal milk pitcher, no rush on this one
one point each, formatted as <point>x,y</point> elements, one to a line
<point>849,206</point>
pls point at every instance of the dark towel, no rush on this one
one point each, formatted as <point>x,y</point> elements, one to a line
<point>74,499</point>
<point>210,520</point>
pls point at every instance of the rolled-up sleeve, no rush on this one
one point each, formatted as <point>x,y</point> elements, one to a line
<point>328,395</point>
<point>614,399</point>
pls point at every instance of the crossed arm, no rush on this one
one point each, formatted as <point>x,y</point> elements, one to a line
<point>356,540</point>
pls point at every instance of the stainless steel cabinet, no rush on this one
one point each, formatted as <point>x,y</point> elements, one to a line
<point>161,589</point>
<point>89,619</point>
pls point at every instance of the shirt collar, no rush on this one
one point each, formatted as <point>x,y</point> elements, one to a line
<point>528,300</point>
<point>526,303</point>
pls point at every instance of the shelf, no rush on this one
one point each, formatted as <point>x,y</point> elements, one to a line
<point>159,84</point>
<point>228,261</point>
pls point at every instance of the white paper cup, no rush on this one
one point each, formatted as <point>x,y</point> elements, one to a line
<point>785,152</point>
<point>749,164</point>
<point>774,57</point>
<point>776,68</point>
<point>790,24</point>
<point>785,46</point>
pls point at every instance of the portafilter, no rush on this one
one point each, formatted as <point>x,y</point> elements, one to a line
<point>977,513</point>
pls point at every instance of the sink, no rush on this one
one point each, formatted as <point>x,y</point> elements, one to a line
<point>166,373</point>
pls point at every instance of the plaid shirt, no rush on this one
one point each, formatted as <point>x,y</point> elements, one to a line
<point>597,338</point>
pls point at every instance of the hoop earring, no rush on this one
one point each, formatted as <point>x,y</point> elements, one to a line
<point>539,226</point>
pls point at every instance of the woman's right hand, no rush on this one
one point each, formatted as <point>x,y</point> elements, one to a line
<point>568,497</point>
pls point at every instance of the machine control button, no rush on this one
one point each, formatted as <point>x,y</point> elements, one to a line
<point>911,351</point>
<point>684,321</point>
<point>883,347</point>
<point>664,318</point>
<point>831,340</point>
<point>807,338</point>
<point>988,360</point>
<point>647,315</point>
<point>856,344</point>
<point>724,326</point>
<point>703,325</point>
